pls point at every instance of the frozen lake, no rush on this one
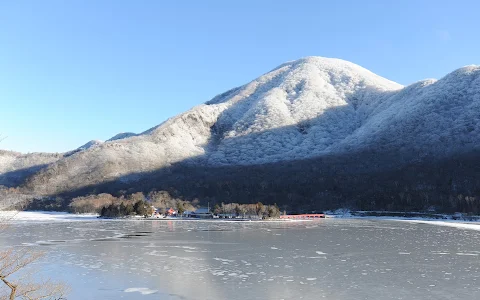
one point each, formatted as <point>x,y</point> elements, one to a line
<point>329,258</point>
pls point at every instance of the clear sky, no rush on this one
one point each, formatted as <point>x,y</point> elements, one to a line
<point>77,70</point>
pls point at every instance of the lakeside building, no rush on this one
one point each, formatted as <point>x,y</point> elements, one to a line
<point>171,212</point>
<point>202,213</point>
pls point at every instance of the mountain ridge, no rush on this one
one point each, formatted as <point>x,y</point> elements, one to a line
<point>302,109</point>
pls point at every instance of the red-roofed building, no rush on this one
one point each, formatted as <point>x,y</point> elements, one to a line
<point>171,212</point>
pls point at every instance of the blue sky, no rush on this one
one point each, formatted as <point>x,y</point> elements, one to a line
<point>73,71</point>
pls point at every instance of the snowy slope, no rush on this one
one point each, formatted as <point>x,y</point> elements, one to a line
<point>179,138</point>
<point>304,108</point>
<point>15,167</point>
<point>298,110</point>
<point>433,118</point>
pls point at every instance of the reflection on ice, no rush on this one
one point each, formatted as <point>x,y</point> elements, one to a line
<point>338,259</point>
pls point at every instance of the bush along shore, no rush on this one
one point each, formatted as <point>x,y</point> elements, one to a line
<point>162,204</point>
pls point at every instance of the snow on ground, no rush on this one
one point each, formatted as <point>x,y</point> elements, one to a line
<point>44,216</point>
<point>339,213</point>
<point>456,224</point>
<point>346,214</point>
<point>143,291</point>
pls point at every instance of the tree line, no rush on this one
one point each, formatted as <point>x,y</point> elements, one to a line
<point>140,204</point>
<point>362,181</point>
<point>257,210</point>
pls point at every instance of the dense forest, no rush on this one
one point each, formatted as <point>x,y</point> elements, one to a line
<point>365,181</point>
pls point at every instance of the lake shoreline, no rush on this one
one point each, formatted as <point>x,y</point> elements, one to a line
<point>466,222</point>
<point>402,215</point>
<point>55,216</point>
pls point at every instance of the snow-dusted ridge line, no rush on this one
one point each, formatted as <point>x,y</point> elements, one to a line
<point>120,136</point>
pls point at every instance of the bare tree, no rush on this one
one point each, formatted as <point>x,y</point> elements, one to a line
<point>5,217</point>
<point>18,283</point>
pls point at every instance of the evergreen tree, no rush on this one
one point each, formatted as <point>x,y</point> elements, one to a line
<point>216,209</point>
<point>238,211</point>
<point>122,209</point>
<point>129,210</point>
<point>180,208</point>
<point>140,208</point>
<point>259,209</point>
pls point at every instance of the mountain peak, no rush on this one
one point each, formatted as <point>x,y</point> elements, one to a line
<point>466,71</point>
<point>335,66</point>
<point>314,73</point>
<point>328,62</point>
<point>303,91</point>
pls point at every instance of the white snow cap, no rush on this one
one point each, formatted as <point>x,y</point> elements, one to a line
<point>297,110</point>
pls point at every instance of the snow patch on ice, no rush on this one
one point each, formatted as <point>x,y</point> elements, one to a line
<point>143,291</point>
<point>47,216</point>
<point>455,224</point>
<point>223,259</point>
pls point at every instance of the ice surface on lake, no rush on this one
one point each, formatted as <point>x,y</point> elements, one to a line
<point>330,258</point>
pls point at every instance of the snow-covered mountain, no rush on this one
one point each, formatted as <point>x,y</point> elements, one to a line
<point>302,109</point>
